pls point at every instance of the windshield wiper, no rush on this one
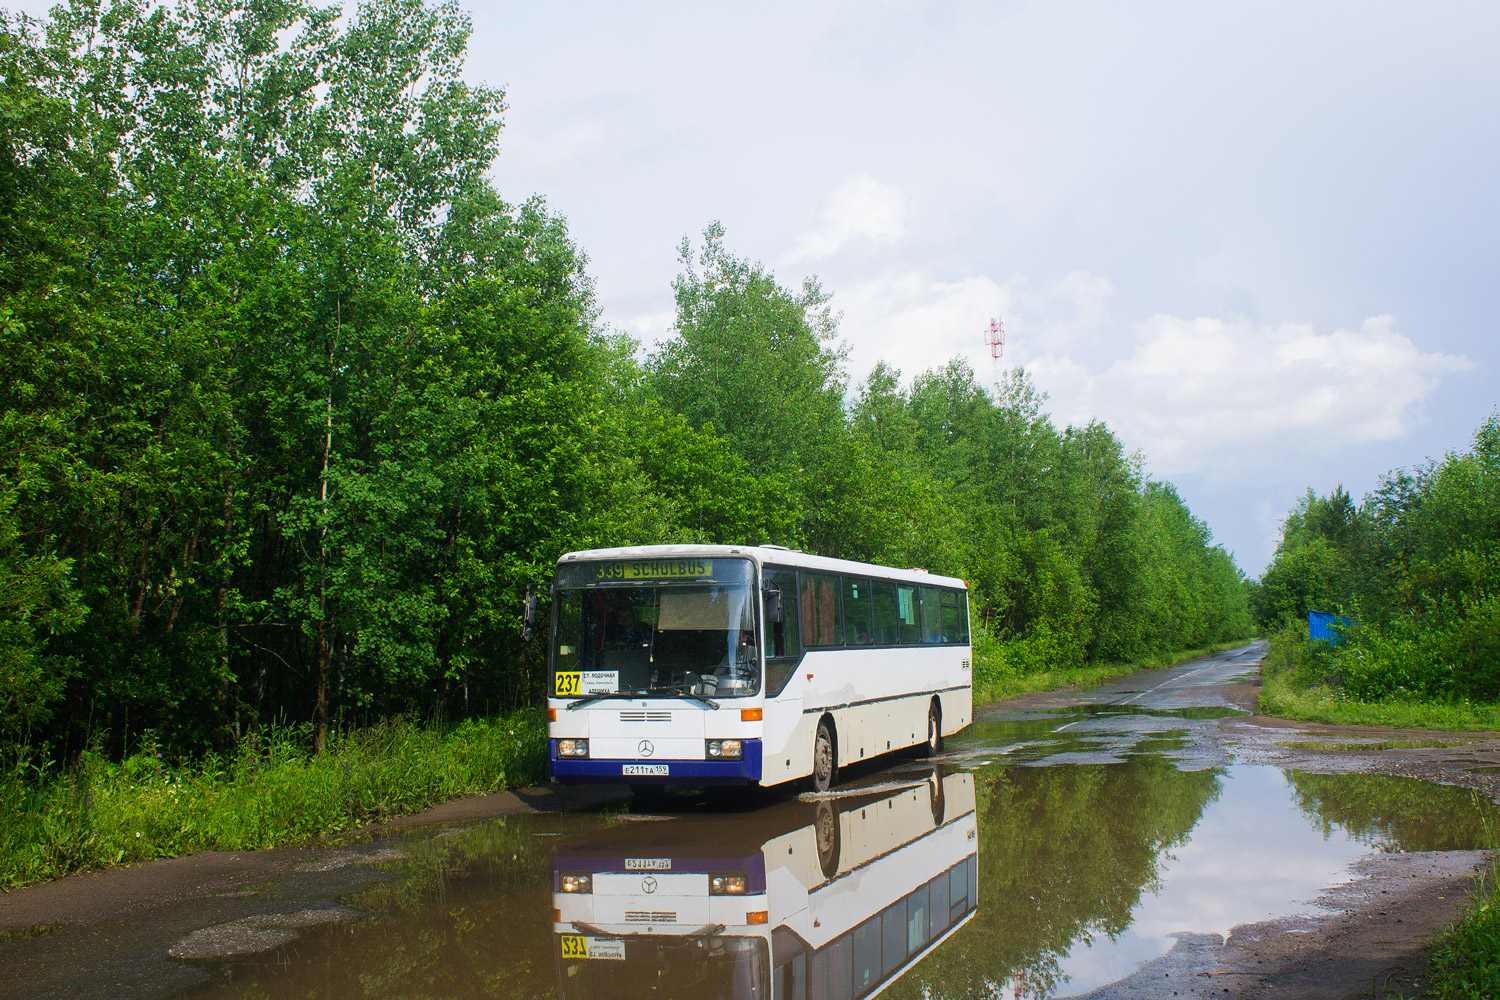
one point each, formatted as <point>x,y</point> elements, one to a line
<point>588,699</point>
<point>598,697</point>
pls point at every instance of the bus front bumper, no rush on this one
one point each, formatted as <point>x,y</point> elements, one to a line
<point>574,771</point>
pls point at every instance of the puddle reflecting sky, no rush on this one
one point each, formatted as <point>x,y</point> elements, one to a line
<point>999,876</point>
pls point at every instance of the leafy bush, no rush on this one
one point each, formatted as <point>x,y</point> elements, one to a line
<point>273,791</point>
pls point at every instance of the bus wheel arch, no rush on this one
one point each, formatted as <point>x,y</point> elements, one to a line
<point>825,763</point>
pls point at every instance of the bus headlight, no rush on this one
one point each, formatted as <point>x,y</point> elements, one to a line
<point>726,885</point>
<point>572,748</point>
<point>725,749</point>
<point>575,882</point>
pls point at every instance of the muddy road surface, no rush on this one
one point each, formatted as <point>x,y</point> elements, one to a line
<point>1148,838</point>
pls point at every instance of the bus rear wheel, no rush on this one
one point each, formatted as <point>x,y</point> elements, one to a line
<point>934,744</point>
<point>825,758</point>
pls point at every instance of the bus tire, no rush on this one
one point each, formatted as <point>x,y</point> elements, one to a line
<point>934,744</point>
<point>826,832</point>
<point>935,796</point>
<point>825,764</point>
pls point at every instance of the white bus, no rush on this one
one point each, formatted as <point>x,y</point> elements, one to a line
<point>717,664</point>
<point>827,900</point>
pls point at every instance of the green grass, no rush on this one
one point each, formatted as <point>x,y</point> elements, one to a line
<point>1295,684</point>
<point>101,813</point>
<point>993,685</point>
<point>1321,703</point>
<point>1465,964</point>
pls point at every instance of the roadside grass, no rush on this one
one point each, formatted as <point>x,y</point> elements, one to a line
<point>1295,684</point>
<point>1465,963</point>
<point>271,793</point>
<point>1321,703</point>
<point>994,683</point>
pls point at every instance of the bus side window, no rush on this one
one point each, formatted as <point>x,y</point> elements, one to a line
<point>858,619</point>
<point>963,617</point>
<point>906,607</point>
<point>887,617</point>
<point>954,621</point>
<point>831,968</point>
<point>783,638</point>
<point>819,606</point>
<point>932,617</point>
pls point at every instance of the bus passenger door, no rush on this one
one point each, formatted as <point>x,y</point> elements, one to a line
<point>783,711</point>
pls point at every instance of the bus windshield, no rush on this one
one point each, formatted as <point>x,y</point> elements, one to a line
<point>665,628</point>
<point>665,968</point>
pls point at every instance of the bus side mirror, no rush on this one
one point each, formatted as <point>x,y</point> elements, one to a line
<point>773,606</point>
<point>528,607</point>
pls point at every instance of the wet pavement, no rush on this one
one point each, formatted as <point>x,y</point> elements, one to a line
<point>1147,838</point>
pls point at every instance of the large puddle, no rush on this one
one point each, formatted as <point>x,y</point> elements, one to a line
<point>990,875</point>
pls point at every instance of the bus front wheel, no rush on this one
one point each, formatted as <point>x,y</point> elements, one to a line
<point>825,758</point>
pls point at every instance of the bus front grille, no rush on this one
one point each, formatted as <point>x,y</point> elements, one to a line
<point>645,716</point>
<point>651,916</point>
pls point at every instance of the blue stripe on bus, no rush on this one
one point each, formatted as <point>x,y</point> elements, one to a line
<point>573,771</point>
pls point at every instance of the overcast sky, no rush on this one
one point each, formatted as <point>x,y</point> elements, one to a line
<point>1256,240</point>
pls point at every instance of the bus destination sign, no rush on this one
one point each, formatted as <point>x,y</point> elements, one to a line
<point>655,569</point>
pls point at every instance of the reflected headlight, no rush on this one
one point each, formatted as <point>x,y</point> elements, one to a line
<point>725,749</point>
<point>576,882</point>
<point>572,748</point>
<point>726,885</point>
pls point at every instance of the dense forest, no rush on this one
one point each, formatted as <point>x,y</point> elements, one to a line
<point>293,403</point>
<point>1413,571</point>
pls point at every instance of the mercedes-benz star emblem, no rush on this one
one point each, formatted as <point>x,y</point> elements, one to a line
<point>646,749</point>
<point>648,884</point>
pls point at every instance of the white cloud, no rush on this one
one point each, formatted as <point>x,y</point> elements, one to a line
<point>1214,394</point>
<point>650,328</point>
<point>860,208</point>
<point>915,322</point>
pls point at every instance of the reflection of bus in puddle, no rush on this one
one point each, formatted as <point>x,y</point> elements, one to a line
<point>800,901</point>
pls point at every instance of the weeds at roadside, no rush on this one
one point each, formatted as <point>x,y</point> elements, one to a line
<point>1465,965</point>
<point>1298,682</point>
<point>273,791</point>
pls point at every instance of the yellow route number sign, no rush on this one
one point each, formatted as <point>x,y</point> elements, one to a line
<point>569,685</point>
<point>578,946</point>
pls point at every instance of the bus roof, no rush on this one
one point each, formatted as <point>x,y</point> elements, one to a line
<point>768,554</point>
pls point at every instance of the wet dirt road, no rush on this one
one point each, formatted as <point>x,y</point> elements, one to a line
<point>1148,838</point>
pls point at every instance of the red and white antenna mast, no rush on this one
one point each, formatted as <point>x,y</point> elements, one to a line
<point>994,338</point>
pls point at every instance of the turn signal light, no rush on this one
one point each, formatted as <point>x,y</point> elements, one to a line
<point>750,715</point>
<point>757,917</point>
<point>551,715</point>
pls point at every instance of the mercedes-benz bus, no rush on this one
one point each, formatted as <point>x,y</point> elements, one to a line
<point>758,665</point>
<point>833,899</point>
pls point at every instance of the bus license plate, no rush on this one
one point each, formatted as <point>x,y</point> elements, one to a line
<point>658,770</point>
<point>578,946</point>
